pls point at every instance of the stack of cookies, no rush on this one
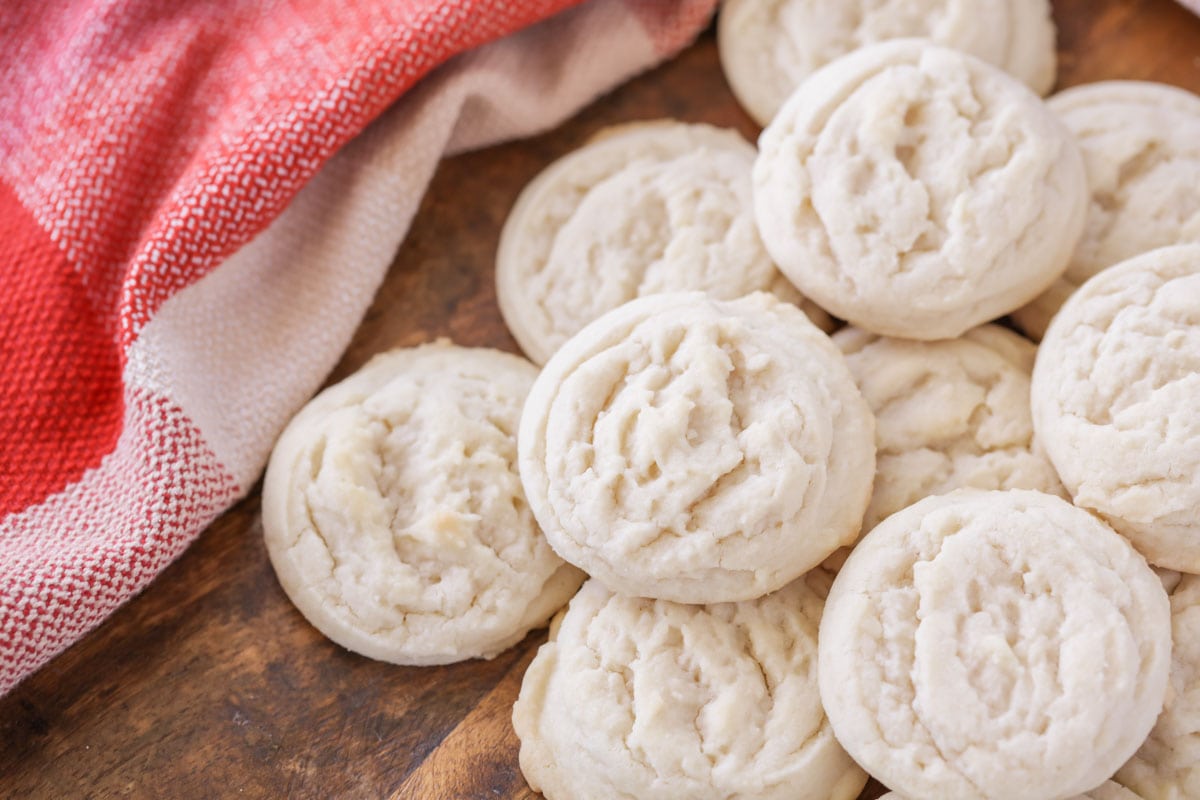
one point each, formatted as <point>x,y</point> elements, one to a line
<point>923,548</point>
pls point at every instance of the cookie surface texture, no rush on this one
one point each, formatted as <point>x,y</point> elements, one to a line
<point>393,512</point>
<point>918,192</point>
<point>768,47</point>
<point>1105,791</point>
<point>1167,767</point>
<point>1114,401</point>
<point>697,450</point>
<point>642,208</point>
<point>998,645</point>
<point>949,414</point>
<point>636,699</point>
<point>1141,148</point>
<point>1013,346</point>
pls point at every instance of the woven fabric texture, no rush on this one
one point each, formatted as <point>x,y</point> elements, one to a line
<point>197,203</point>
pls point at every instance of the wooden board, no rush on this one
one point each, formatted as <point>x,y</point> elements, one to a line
<point>211,684</point>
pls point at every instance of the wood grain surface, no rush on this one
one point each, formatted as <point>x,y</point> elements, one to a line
<point>210,684</point>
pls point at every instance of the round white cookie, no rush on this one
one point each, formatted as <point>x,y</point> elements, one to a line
<point>1019,352</point>
<point>1167,767</point>
<point>643,208</point>
<point>917,191</point>
<point>697,450</point>
<point>636,699</point>
<point>994,645</point>
<point>1114,401</point>
<point>768,47</point>
<point>1105,791</point>
<point>1141,148</point>
<point>394,516</point>
<point>949,414</point>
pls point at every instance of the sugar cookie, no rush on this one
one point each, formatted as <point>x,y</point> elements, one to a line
<point>998,645</point>
<point>636,699</point>
<point>697,450</point>
<point>1167,767</point>
<point>642,208</point>
<point>768,47</point>
<point>1141,148</point>
<point>1105,791</point>
<point>1114,401</point>
<point>394,516</point>
<point>948,414</point>
<point>918,192</point>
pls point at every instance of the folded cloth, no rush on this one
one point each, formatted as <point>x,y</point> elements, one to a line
<point>197,202</point>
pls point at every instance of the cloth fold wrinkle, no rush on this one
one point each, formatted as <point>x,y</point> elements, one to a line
<point>237,302</point>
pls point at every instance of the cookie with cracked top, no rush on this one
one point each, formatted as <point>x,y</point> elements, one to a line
<point>394,517</point>
<point>994,646</point>
<point>949,414</point>
<point>768,47</point>
<point>635,699</point>
<point>1114,401</point>
<point>917,192</point>
<point>1105,791</point>
<point>1141,148</point>
<point>1167,766</point>
<point>697,450</point>
<point>642,208</point>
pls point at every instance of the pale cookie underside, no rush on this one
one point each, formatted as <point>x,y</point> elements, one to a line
<point>642,699</point>
<point>644,208</point>
<point>1141,148</point>
<point>949,414</point>
<point>697,450</point>
<point>1114,398</point>
<point>768,47</point>
<point>918,192</point>
<point>993,645</point>
<point>394,516</point>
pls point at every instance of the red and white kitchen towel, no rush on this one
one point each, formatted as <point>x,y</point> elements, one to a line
<point>197,203</point>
